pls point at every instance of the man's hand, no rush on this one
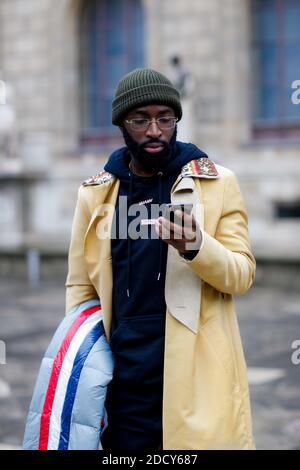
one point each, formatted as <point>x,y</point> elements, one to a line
<point>184,234</point>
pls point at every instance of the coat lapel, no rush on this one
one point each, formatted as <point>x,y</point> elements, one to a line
<point>97,249</point>
<point>183,286</point>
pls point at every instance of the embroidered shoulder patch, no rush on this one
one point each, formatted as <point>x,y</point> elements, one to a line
<point>101,178</point>
<point>200,168</point>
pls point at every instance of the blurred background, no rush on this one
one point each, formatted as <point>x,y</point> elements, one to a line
<point>237,65</point>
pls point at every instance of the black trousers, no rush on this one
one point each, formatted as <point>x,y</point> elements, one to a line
<point>121,438</point>
<point>134,418</point>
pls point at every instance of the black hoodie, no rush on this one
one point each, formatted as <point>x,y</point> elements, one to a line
<point>139,269</point>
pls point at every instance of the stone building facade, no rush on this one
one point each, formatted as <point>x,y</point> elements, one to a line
<point>47,158</point>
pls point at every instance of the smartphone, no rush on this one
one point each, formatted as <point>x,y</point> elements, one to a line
<point>169,210</point>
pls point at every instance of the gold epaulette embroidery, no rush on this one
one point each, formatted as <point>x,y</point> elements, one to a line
<point>101,178</point>
<point>200,168</point>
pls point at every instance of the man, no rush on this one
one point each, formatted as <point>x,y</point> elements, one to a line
<point>180,378</point>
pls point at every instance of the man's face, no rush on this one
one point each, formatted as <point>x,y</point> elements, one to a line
<point>150,146</point>
<point>153,132</point>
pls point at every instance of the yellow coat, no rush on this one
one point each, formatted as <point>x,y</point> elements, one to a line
<point>206,398</point>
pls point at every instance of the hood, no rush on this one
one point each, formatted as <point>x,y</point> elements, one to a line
<point>184,153</point>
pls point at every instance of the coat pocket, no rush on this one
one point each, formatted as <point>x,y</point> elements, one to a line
<point>138,348</point>
<point>218,343</point>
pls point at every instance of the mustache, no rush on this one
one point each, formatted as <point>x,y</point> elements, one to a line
<point>154,141</point>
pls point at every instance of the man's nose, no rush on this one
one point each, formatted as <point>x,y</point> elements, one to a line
<point>153,130</point>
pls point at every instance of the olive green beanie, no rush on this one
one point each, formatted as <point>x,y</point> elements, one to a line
<point>141,87</point>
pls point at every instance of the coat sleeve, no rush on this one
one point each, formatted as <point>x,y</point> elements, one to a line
<point>78,284</point>
<point>225,261</point>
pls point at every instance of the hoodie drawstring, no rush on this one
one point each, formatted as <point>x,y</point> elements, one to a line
<point>128,238</point>
<point>160,174</point>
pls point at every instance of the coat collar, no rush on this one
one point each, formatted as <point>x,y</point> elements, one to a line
<point>100,178</point>
<point>199,168</point>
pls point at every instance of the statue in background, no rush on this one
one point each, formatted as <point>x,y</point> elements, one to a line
<point>183,81</point>
<point>7,121</point>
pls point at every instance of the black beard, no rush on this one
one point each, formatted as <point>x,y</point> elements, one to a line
<point>148,162</point>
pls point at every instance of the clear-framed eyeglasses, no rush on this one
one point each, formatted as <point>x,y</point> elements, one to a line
<point>142,124</point>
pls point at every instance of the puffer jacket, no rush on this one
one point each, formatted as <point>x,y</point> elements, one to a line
<point>67,408</point>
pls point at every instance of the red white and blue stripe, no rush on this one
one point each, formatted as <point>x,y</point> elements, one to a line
<point>85,335</point>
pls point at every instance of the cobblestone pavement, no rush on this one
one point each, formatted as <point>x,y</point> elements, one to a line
<point>269,319</point>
